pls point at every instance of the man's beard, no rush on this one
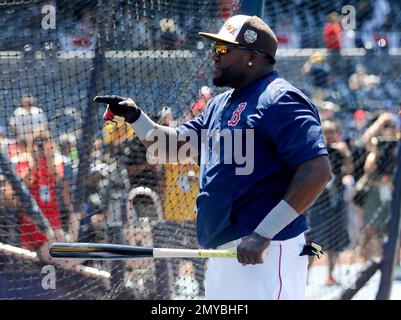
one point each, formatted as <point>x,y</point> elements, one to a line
<point>221,81</point>
<point>228,77</point>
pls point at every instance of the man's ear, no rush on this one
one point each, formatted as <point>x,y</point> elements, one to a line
<point>253,58</point>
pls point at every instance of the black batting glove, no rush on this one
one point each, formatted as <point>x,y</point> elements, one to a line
<point>312,249</point>
<point>119,106</point>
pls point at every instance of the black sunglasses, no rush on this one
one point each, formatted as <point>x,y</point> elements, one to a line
<point>222,49</point>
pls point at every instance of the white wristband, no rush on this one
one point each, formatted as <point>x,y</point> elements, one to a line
<point>143,126</point>
<point>277,219</point>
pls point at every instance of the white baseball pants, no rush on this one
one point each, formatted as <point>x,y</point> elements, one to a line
<point>282,276</point>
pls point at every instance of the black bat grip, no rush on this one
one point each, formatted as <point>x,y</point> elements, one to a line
<point>98,251</point>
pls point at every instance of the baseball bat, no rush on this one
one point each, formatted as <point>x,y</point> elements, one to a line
<point>105,251</point>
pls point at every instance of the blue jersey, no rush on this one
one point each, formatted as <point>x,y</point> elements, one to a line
<point>286,132</point>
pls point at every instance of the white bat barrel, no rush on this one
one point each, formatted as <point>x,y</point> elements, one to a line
<point>192,253</point>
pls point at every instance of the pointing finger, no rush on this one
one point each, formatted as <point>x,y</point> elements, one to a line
<point>101,99</point>
<point>108,99</point>
<point>128,102</point>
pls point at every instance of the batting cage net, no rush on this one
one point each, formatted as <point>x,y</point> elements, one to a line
<point>63,168</point>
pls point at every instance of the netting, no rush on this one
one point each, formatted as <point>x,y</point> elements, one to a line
<point>91,180</point>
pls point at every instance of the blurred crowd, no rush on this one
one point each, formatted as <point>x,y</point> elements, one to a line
<point>124,197</point>
<point>301,23</point>
<point>359,106</point>
<point>174,25</point>
<point>128,27</point>
<point>353,210</point>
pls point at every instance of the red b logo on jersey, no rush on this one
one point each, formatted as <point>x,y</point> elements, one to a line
<point>237,114</point>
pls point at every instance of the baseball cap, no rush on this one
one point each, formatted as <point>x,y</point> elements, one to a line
<point>330,106</point>
<point>205,90</point>
<point>249,31</point>
<point>317,57</point>
<point>360,114</point>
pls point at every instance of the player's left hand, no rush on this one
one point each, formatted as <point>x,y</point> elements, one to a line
<point>251,249</point>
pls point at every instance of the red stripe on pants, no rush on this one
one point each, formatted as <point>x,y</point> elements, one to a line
<point>279,272</point>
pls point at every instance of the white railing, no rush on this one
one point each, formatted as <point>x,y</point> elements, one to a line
<point>178,54</point>
<point>132,215</point>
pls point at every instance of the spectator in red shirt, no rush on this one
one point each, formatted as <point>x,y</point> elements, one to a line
<point>332,32</point>
<point>332,38</point>
<point>205,94</point>
<point>41,179</point>
<point>227,8</point>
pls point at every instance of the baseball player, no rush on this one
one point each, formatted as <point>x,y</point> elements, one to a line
<point>261,208</point>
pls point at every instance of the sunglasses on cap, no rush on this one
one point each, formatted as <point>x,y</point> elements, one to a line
<point>222,49</point>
